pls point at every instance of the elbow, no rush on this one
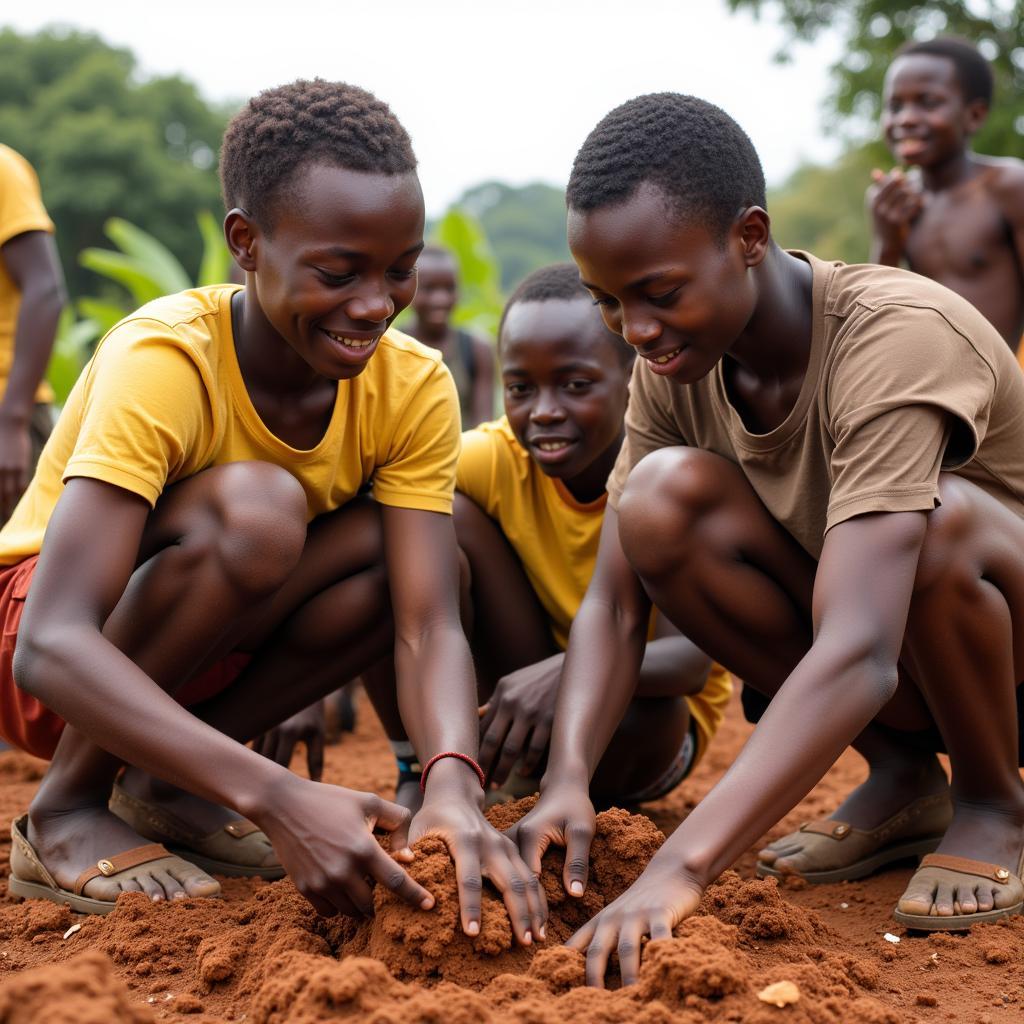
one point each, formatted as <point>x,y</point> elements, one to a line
<point>37,662</point>
<point>47,297</point>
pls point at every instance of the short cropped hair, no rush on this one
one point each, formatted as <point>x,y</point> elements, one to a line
<point>973,72</point>
<point>560,281</point>
<point>282,129</point>
<point>691,150</point>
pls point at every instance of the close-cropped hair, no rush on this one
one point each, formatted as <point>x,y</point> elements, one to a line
<point>692,151</point>
<point>973,72</point>
<point>559,281</point>
<point>305,122</point>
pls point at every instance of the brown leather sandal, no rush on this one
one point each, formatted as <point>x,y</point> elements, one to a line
<point>236,850</point>
<point>940,867</point>
<point>30,879</point>
<point>840,852</point>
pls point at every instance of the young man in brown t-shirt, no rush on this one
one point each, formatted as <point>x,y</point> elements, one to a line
<point>821,486</point>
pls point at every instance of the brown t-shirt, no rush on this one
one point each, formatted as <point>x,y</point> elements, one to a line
<point>905,379</point>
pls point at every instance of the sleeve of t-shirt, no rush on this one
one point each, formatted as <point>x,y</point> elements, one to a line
<point>650,425</point>
<point>474,475</point>
<point>21,203</point>
<point>907,398</point>
<point>146,417</point>
<point>420,469</point>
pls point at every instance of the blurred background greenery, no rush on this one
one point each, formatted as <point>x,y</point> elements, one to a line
<point>128,164</point>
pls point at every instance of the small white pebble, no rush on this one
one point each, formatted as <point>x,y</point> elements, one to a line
<point>935,957</point>
<point>889,937</point>
<point>151,999</point>
<point>844,906</point>
<point>71,931</point>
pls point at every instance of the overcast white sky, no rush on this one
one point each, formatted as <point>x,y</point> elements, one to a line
<point>487,90</point>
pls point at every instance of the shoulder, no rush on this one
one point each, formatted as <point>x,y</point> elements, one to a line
<point>15,168</point>
<point>1006,183</point>
<point>489,452</point>
<point>495,437</point>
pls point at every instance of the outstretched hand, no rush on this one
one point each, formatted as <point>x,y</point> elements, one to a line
<point>652,906</point>
<point>324,838</point>
<point>565,816</point>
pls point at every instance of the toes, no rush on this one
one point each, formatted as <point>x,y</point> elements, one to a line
<point>194,881</point>
<point>919,897</point>
<point>943,900</point>
<point>172,888</point>
<point>795,863</point>
<point>964,899</point>
<point>130,885</point>
<point>986,898</point>
<point>151,887</point>
<point>780,848</point>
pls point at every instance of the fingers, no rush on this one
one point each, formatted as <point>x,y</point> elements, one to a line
<point>598,951</point>
<point>510,751</point>
<point>394,877</point>
<point>578,837</point>
<point>661,926</point>
<point>315,756</point>
<point>393,818</point>
<point>537,748</point>
<point>493,738</point>
<point>520,888</point>
<point>532,843</point>
<point>630,936</point>
<point>469,881</point>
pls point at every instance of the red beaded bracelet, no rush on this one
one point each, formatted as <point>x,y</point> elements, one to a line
<point>452,753</point>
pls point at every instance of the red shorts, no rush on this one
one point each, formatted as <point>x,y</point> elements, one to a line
<point>27,724</point>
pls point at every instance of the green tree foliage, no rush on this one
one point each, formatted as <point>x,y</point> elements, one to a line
<point>480,298</point>
<point>871,30</point>
<point>525,225</point>
<point>103,141</point>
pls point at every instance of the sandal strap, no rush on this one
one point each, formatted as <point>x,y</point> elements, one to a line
<point>966,866</point>
<point>120,862</point>
<point>827,827</point>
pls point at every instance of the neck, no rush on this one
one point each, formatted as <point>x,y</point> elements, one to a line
<point>266,360</point>
<point>950,172</point>
<point>777,339</point>
<point>589,485</point>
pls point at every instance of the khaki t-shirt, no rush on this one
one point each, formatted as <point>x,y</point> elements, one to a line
<point>889,349</point>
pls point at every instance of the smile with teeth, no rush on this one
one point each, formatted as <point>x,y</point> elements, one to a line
<point>670,355</point>
<point>553,446</point>
<point>349,342</point>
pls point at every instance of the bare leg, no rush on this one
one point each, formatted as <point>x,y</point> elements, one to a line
<point>198,578</point>
<point>727,575</point>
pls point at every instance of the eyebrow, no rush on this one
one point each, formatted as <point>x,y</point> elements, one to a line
<point>574,367</point>
<point>640,283</point>
<point>340,252</point>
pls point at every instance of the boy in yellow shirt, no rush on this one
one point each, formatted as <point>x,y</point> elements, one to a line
<point>528,512</point>
<point>31,298</point>
<point>209,540</point>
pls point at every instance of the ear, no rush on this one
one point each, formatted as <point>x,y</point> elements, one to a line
<point>975,114</point>
<point>752,229</point>
<point>241,233</point>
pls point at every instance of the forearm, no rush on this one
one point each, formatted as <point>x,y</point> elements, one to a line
<point>76,672</point>
<point>826,702</point>
<point>599,679</point>
<point>672,667</point>
<point>34,334</point>
<point>886,253</point>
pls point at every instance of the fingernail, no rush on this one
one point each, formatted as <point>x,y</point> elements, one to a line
<point>576,888</point>
<point>527,938</point>
<point>542,933</point>
<point>473,928</point>
<point>427,904</point>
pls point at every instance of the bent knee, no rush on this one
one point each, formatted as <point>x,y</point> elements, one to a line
<point>667,496</point>
<point>948,552</point>
<point>257,528</point>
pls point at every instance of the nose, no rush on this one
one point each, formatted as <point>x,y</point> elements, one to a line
<point>547,408</point>
<point>639,330</point>
<point>373,303</point>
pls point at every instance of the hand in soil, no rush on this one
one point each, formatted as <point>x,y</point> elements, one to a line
<point>324,838</point>
<point>307,727</point>
<point>653,905</point>
<point>480,851</point>
<point>517,719</point>
<point>565,816</point>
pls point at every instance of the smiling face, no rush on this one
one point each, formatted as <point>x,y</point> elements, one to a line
<point>925,118</point>
<point>565,386</point>
<point>339,263</point>
<point>677,293</point>
<point>437,290</point>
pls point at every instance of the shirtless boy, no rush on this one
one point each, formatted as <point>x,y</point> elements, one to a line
<point>208,538</point>
<point>469,358</point>
<point>958,217</point>
<point>528,509</point>
<point>821,485</point>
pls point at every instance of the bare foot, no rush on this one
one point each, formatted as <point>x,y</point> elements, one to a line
<point>70,841</point>
<point>989,835</point>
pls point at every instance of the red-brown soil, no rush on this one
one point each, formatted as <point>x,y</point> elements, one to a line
<point>262,955</point>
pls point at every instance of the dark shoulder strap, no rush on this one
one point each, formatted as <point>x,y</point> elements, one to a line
<point>467,353</point>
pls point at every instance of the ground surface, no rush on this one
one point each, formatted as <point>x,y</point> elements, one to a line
<point>261,955</point>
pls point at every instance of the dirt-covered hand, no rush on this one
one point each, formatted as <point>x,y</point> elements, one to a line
<point>653,905</point>
<point>517,720</point>
<point>565,816</point>
<point>324,838</point>
<point>480,851</point>
<point>15,456</point>
<point>308,728</point>
<point>895,202</point>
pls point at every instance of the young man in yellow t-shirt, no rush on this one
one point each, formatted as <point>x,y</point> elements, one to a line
<point>31,299</point>
<point>528,513</point>
<point>245,502</point>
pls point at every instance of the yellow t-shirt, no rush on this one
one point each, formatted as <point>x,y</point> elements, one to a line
<point>21,210</point>
<point>556,539</point>
<point>163,398</point>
